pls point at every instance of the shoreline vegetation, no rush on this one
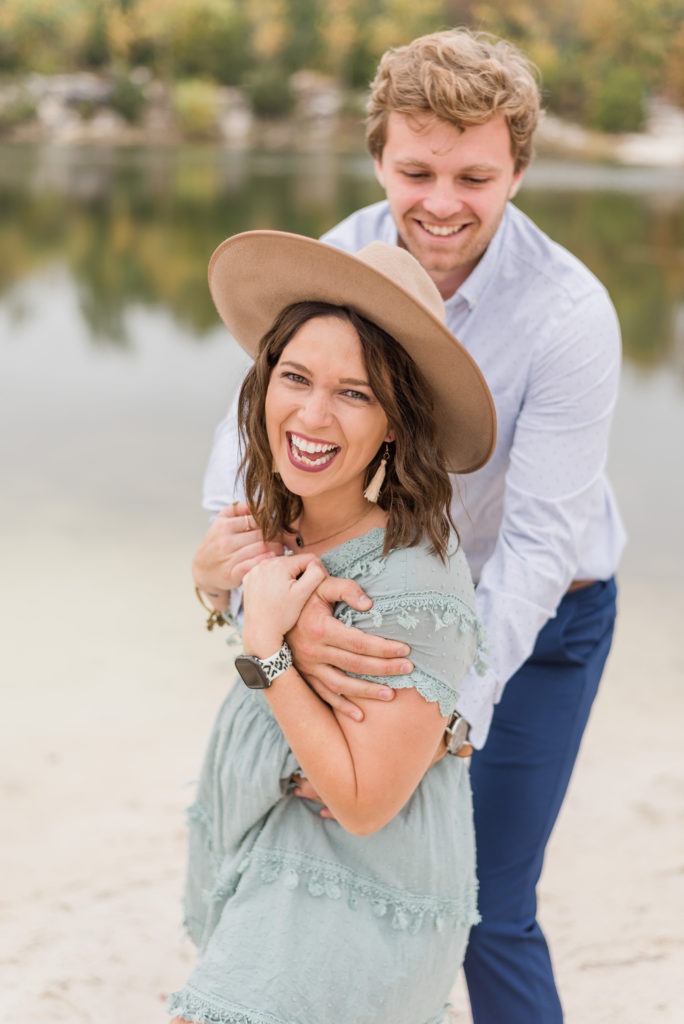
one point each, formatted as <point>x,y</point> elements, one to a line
<point>88,108</point>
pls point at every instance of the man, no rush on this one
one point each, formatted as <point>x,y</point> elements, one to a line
<point>450,126</point>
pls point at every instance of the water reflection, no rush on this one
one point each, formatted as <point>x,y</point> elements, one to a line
<point>134,228</point>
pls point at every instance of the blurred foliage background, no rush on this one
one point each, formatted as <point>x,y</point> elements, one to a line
<point>601,60</point>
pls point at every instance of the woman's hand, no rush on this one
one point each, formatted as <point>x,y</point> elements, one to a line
<point>274,593</point>
<point>232,546</point>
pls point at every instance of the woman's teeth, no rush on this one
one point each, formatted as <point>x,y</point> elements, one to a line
<point>302,449</point>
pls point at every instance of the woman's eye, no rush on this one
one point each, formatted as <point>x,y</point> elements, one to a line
<point>296,378</point>
<point>358,395</point>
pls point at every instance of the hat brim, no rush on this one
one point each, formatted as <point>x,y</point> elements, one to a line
<point>255,275</point>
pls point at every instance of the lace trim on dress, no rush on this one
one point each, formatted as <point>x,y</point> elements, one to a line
<point>192,1007</point>
<point>432,690</point>
<point>404,911</point>
<point>362,556</point>
<point>359,556</point>
<point>446,610</point>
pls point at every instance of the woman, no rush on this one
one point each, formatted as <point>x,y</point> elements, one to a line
<point>358,404</point>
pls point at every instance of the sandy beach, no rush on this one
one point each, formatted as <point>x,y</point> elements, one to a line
<point>109,683</point>
<point>100,756</point>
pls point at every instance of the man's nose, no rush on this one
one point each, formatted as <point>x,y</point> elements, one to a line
<point>443,200</point>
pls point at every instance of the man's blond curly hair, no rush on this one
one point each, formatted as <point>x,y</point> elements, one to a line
<point>461,77</point>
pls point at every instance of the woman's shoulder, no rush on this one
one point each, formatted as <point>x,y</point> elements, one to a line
<point>407,569</point>
<point>426,602</point>
<point>451,574</point>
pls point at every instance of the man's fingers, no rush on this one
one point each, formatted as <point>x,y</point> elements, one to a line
<point>234,509</point>
<point>305,790</point>
<point>329,683</point>
<point>362,664</point>
<point>355,641</point>
<point>344,706</point>
<point>243,567</point>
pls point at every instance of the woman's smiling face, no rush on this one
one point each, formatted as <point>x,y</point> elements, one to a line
<point>323,421</point>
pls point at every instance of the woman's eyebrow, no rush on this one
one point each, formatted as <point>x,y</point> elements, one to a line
<point>301,368</point>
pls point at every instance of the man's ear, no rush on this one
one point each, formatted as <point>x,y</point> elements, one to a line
<point>379,175</point>
<point>515,185</point>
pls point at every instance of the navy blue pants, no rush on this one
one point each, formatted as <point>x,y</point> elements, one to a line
<point>519,780</point>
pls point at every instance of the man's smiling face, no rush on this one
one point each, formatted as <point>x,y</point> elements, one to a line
<point>447,190</point>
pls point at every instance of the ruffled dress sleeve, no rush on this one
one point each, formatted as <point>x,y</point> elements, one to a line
<point>422,601</point>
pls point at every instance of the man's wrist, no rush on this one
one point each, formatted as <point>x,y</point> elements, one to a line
<point>219,598</point>
<point>456,734</point>
<point>217,616</point>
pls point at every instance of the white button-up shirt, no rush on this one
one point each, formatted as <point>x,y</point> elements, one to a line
<point>541,513</point>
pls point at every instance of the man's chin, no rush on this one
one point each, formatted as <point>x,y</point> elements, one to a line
<point>440,253</point>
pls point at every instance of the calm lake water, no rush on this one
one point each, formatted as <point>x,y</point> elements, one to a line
<point>114,370</point>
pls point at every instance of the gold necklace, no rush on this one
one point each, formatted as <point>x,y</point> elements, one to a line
<point>299,540</point>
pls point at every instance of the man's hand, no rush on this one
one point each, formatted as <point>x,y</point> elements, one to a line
<point>324,650</point>
<point>232,546</point>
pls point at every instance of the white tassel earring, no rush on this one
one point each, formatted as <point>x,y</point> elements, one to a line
<point>372,492</point>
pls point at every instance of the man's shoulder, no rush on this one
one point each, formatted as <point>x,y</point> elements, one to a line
<point>369,224</point>
<point>542,260</point>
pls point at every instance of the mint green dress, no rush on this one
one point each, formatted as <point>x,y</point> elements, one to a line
<point>296,920</point>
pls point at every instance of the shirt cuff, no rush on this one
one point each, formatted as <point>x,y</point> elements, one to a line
<point>475,703</point>
<point>236,606</point>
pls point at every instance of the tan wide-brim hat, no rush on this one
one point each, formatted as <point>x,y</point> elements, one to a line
<point>255,275</point>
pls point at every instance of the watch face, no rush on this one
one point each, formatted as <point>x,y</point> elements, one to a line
<point>251,673</point>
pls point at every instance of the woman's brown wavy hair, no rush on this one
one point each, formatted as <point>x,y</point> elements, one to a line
<point>417,490</point>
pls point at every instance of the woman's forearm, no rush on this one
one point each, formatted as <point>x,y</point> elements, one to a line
<point>320,746</point>
<point>364,771</point>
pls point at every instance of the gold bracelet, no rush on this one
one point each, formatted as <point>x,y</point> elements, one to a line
<point>215,618</point>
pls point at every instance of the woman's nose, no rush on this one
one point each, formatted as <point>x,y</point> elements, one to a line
<point>316,409</point>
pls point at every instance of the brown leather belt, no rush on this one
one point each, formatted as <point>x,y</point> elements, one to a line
<point>580,585</point>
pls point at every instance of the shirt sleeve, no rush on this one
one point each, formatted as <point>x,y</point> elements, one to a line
<point>222,482</point>
<point>558,454</point>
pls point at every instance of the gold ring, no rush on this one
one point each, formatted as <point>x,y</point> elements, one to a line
<point>247,526</point>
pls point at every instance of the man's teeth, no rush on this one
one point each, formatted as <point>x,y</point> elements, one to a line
<point>300,447</point>
<point>442,230</point>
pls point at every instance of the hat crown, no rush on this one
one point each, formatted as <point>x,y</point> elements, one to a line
<point>404,270</point>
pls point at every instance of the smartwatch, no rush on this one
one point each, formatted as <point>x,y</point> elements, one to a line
<point>259,673</point>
